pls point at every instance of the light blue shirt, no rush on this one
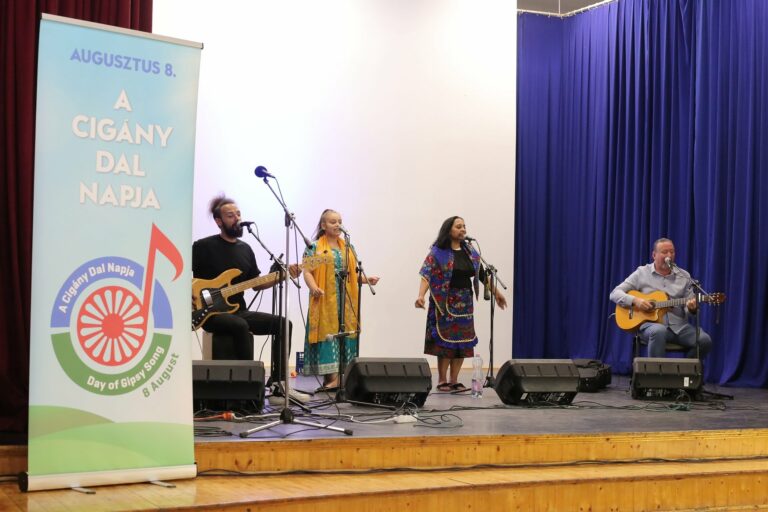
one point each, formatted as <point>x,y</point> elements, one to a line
<point>645,279</point>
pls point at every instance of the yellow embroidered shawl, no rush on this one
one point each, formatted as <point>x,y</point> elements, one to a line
<point>323,311</point>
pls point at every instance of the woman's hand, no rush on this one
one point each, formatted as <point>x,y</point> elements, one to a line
<point>372,280</point>
<point>420,303</point>
<point>317,292</point>
<point>501,300</point>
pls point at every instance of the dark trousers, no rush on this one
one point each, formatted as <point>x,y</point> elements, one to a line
<point>240,328</point>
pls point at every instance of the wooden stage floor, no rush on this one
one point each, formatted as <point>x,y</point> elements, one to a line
<point>606,451</point>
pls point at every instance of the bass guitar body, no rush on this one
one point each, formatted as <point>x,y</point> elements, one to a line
<point>219,304</point>
<point>210,296</point>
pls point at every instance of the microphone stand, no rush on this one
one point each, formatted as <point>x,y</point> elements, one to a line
<point>276,292</point>
<point>361,273</point>
<point>494,282</point>
<point>277,259</point>
<point>701,292</point>
<point>286,415</point>
<point>342,335</point>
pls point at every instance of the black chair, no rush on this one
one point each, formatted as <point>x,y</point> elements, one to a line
<point>222,346</point>
<point>639,341</point>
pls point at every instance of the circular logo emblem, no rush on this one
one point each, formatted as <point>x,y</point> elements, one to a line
<point>107,339</point>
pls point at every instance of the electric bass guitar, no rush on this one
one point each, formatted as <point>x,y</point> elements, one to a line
<point>629,319</point>
<point>209,296</point>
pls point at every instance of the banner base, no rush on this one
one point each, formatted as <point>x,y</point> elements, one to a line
<point>94,478</point>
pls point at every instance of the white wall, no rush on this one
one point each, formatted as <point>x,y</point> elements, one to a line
<point>396,113</point>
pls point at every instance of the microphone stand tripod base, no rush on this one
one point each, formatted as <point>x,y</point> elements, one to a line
<point>287,417</point>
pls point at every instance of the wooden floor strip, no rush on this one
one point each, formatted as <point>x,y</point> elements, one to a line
<point>606,487</point>
<point>397,452</point>
<point>537,483</point>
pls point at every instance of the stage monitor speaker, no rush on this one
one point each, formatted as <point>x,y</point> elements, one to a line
<point>665,377</point>
<point>228,384</point>
<point>389,381</point>
<point>537,381</point>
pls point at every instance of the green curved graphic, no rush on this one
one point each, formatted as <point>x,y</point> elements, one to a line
<point>108,383</point>
<point>46,419</point>
<point>92,443</point>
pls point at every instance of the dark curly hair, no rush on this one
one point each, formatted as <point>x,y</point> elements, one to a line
<point>216,203</point>
<point>444,235</point>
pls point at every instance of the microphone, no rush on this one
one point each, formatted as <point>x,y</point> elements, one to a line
<point>246,223</point>
<point>347,334</point>
<point>469,239</point>
<point>262,172</point>
<point>670,264</point>
<point>344,230</point>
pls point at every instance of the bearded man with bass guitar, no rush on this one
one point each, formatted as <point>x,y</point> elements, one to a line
<point>220,307</point>
<point>661,320</point>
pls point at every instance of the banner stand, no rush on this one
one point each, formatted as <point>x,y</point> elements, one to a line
<point>110,398</point>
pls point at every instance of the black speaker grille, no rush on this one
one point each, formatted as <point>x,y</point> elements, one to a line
<point>391,381</point>
<point>226,384</point>
<point>665,377</point>
<point>537,381</point>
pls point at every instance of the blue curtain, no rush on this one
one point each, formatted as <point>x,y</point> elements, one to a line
<point>636,120</point>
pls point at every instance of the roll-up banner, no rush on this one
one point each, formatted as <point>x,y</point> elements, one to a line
<point>110,397</point>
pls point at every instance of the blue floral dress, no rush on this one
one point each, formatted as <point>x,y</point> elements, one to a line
<point>450,328</point>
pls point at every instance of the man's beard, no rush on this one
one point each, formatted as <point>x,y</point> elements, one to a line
<point>235,231</point>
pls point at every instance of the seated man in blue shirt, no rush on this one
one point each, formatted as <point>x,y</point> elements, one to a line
<point>663,275</point>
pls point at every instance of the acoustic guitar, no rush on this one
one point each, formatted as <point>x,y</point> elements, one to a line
<point>631,318</point>
<point>209,296</point>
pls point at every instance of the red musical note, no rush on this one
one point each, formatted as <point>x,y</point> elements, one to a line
<point>112,322</point>
<point>158,242</point>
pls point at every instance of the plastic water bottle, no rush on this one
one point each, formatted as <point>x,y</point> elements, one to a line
<point>477,376</point>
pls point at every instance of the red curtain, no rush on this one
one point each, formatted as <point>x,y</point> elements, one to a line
<point>20,23</point>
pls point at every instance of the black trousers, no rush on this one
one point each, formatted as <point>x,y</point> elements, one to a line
<point>240,326</point>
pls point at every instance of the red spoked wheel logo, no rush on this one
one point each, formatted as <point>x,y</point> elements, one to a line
<point>112,325</point>
<point>111,337</point>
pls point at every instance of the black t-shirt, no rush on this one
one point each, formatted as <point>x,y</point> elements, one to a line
<point>213,255</point>
<point>463,271</point>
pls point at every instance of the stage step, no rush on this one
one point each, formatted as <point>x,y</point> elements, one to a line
<point>452,451</point>
<point>716,470</point>
<point>730,485</point>
<point>345,453</point>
